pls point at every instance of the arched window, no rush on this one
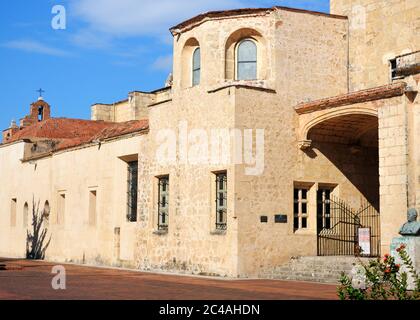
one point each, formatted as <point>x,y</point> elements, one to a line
<point>196,67</point>
<point>246,60</point>
<point>25,215</point>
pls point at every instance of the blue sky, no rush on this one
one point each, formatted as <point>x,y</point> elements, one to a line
<point>109,48</point>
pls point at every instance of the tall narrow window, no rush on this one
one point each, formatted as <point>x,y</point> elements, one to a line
<point>323,209</point>
<point>132,190</point>
<point>61,206</point>
<point>13,206</point>
<point>196,67</point>
<point>25,215</point>
<point>300,208</point>
<point>247,60</point>
<point>92,208</point>
<point>163,204</point>
<point>221,201</point>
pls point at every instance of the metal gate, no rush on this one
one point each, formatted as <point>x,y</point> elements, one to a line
<point>338,229</point>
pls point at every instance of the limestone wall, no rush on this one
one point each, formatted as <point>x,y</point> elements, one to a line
<point>118,112</point>
<point>414,149</point>
<point>296,51</point>
<point>12,238</point>
<point>310,56</point>
<point>379,30</point>
<point>190,244</point>
<point>354,177</point>
<point>265,245</point>
<point>393,167</point>
<point>73,174</point>
<point>212,37</point>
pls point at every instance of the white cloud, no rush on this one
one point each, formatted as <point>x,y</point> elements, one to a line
<point>163,63</point>
<point>33,46</point>
<point>143,17</point>
<point>92,40</point>
<point>106,22</point>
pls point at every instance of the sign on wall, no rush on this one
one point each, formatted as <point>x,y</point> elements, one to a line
<point>364,241</point>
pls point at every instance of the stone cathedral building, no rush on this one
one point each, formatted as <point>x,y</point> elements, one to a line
<point>282,133</point>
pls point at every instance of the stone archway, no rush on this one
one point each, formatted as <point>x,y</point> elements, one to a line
<point>349,140</point>
<point>349,115</point>
<point>311,120</point>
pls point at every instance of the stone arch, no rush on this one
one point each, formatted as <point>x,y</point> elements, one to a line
<point>190,46</point>
<point>311,121</point>
<point>40,111</point>
<point>346,139</point>
<point>231,47</point>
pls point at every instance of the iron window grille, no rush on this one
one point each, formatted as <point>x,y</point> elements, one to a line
<point>324,209</point>
<point>221,201</point>
<point>132,191</point>
<point>300,209</point>
<point>163,204</point>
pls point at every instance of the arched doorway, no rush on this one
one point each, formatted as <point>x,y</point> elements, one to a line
<point>346,217</point>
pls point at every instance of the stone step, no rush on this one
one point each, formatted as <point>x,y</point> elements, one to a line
<point>316,269</point>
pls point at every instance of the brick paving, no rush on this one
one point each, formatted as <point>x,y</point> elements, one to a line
<point>31,280</point>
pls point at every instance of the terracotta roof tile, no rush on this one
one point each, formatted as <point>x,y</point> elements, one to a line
<point>382,92</point>
<point>70,133</point>
<point>120,129</point>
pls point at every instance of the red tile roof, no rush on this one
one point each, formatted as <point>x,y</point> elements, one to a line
<point>74,132</point>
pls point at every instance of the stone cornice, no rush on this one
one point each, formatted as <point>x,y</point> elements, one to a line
<point>252,85</point>
<point>383,92</point>
<point>246,12</point>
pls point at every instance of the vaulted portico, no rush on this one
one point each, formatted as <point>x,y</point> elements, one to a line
<point>364,135</point>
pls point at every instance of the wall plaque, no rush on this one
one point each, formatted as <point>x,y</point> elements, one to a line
<point>280,218</point>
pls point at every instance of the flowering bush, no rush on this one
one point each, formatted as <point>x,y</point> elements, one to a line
<point>383,280</point>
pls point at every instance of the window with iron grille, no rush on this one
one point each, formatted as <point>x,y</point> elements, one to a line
<point>132,189</point>
<point>323,209</point>
<point>300,208</point>
<point>221,201</point>
<point>163,204</point>
<point>196,70</point>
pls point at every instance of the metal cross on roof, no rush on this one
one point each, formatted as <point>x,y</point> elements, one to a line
<point>40,91</point>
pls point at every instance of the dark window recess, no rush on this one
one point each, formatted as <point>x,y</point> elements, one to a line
<point>221,201</point>
<point>304,223</point>
<point>163,205</point>
<point>394,65</point>
<point>132,189</point>
<point>40,113</point>
<point>264,219</point>
<point>280,218</point>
